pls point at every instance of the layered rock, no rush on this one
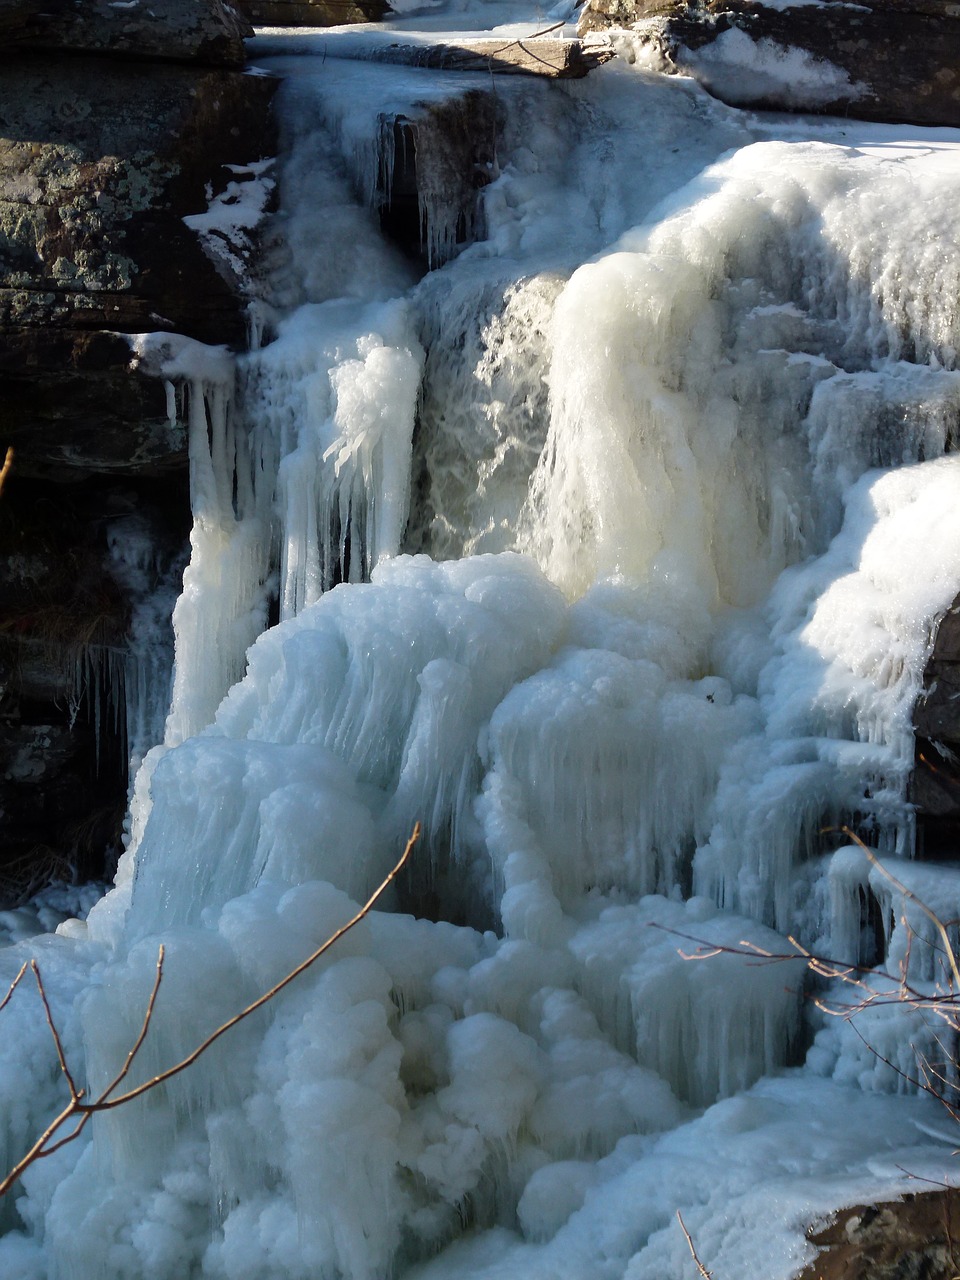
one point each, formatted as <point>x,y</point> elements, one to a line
<point>204,31</point>
<point>827,56</point>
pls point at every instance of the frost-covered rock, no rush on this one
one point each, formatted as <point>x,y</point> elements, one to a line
<point>807,55</point>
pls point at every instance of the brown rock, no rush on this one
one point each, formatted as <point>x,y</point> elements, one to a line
<point>536,56</point>
<point>916,1238</point>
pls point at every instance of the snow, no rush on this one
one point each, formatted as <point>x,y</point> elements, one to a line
<point>611,550</point>
<point>233,213</point>
<point>742,69</point>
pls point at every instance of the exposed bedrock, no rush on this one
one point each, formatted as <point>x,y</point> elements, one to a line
<point>843,59</point>
<point>102,158</point>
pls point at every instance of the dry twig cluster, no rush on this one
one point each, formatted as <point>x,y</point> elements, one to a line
<point>871,987</point>
<point>79,1110</point>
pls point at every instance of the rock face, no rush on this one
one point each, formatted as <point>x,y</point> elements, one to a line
<point>442,159</point>
<point>99,164</point>
<point>832,56</point>
<point>935,789</point>
<point>312,13</point>
<point>206,31</point>
<point>64,618</point>
<point>110,167</point>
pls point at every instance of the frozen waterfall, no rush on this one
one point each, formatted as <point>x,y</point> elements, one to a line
<point>611,550</point>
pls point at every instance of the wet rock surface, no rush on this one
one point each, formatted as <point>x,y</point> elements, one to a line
<point>916,1238</point>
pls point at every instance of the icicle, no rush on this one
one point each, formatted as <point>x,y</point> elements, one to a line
<point>222,608</point>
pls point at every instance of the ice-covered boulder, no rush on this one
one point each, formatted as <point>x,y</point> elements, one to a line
<point>808,55</point>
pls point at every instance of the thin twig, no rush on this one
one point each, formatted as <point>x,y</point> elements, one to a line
<point>931,1182</point>
<point>75,1096</point>
<point>103,1105</point>
<point>13,985</point>
<point>911,897</point>
<point>37,1152</point>
<point>707,1275</point>
<point>148,1015</point>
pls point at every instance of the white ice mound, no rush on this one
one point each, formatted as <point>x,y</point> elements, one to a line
<point>355,720</point>
<point>719,377</point>
<point>853,630</point>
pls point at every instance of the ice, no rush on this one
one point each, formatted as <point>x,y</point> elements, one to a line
<point>741,69</point>
<point>151,584</point>
<point>667,1010</point>
<point>610,550</point>
<point>222,607</point>
<point>338,391</point>
<point>47,909</point>
<point>853,629</point>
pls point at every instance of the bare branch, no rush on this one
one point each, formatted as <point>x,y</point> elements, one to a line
<point>182,1065</point>
<point>147,1017</point>
<point>71,1085</point>
<point>932,1182</point>
<point>707,950</point>
<point>7,465</point>
<point>76,1107</point>
<point>707,1275</point>
<point>911,897</point>
<point>37,1151</point>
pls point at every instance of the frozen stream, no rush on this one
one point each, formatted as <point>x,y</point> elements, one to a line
<point>642,507</point>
